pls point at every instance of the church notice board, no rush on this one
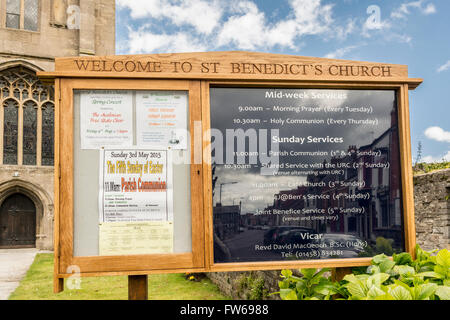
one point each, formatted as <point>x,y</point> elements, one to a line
<point>228,161</point>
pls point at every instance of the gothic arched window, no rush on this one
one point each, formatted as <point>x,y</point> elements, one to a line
<point>27,105</point>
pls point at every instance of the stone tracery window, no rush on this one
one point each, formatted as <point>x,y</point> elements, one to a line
<point>25,102</point>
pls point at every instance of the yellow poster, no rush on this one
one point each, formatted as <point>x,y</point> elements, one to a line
<point>145,237</point>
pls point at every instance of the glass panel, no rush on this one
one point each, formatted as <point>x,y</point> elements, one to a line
<point>295,174</point>
<point>13,6</point>
<point>20,84</point>
<point>5,92</point>
<point>10,131</point>
<point>29,133</point>
<point>43,95</point>
<point>47,134</point>
<point>13,14</point>
<point>31,15</point>
<point>4,88</point>
<point>24,94</point>
<point>12,21</point>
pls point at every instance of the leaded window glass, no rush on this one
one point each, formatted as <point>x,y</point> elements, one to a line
<point>29,132</point>
<point>21,89</point>
<point>10,131</point>
<point>24,94</point>
<point>28,10</point>
<point>13,14</point>
<point>4,92</point>
<point>17,94</point>
<point>30,21</point>
<point>47,133</point>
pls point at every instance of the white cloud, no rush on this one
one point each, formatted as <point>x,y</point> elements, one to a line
<point>342,32</point>
<point>341,52</point>
<point>444,67</point>
<point>438,134</point>
<point>368,26</point>
<point>311,16</point>
<point>431,159</point>
<point>203,15</point>
<point>141,9</point>
<point>144,42</point>
<point>404,10</point>
<point>248,27</point>
<point>430,9</point>
<point>201,25</point>
<point>399,38</point>
<point>375,25</point>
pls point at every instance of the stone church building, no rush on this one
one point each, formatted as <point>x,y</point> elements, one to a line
<point>32,34</point>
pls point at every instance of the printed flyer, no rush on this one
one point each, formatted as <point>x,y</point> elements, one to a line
<point>161,118</point>
<point>118,238</point>
<point>106,119</point>
<point>135,185</point>
<point>135,201</point>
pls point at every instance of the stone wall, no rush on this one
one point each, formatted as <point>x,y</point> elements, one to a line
<point>432,215</point>
<point>94,36</point>
<point>37,184</point>
<point>432,209</point>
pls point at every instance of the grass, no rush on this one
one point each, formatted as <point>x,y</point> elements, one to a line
<point>38,285</point>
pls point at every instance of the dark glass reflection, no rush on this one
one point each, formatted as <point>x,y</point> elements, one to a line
<point>305,174</point>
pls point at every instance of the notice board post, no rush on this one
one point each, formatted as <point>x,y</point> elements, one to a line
<point>228,161</point>
<point>138,287</point>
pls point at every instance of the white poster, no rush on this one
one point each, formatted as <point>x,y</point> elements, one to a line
<point>135,185</point>
<point>106,119</point>
<point>161,119</point>
<point>147,237</point>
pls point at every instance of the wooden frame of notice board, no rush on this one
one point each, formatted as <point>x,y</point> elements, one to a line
<point>197,73</point>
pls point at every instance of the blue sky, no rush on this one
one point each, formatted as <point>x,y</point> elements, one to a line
<point>415,33</point>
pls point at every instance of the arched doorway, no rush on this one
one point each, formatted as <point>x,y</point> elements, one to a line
<point>17,222</point>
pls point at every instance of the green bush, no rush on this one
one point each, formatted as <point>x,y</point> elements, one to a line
<point>397,278</point>
<point>382,245</point>
<point>420,168</point>
<point>252,288</point>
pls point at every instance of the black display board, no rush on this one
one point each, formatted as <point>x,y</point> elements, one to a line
<point>305,174</point>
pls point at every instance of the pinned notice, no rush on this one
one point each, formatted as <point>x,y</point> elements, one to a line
<point>161,119</point>
<point>151,237</point>
<point>135,202</point>
<point>106,119</point>
<point>135,185</point>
